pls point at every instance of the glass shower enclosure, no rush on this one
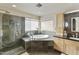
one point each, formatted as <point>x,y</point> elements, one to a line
<point>12,32</point>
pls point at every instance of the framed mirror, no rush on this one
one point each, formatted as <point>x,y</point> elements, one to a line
<point>75,24</point>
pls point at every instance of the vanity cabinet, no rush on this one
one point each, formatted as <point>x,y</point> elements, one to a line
<point>66,46</point>
<point>70,47</point>
<point>77,48</point>
<point>58,44</point>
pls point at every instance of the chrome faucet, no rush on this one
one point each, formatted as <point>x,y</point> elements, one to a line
<point>76,35</point>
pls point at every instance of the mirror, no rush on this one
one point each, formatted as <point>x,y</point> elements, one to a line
<point>75,24</point>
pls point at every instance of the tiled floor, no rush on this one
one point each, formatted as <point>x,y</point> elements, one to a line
<point>41,52</point>
<point>31,51</point>
<point>14,51</point>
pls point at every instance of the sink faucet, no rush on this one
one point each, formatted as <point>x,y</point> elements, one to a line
<point>76,35</point>
<point>73,35</point>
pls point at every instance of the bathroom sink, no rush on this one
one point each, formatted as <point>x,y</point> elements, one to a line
<point>74,38</point>
<point>40,36</point>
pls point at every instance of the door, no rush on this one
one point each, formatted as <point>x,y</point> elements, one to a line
<point>6,30</point>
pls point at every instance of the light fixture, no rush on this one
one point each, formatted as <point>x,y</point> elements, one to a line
<point>66,24</point>
<point>13,5</point>
<point>39,5</point>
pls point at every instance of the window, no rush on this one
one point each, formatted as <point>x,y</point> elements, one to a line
<point>47,25</point>
<point>31,24</point>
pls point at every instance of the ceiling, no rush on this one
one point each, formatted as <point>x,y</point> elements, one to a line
<point>46,9</point>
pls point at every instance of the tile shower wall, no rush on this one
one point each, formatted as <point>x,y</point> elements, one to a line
<point>22,26</point>
<point>7,32</point>
<point>0,31</point>
<point>13,28</point>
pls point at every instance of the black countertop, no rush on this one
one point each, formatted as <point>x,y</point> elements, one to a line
<point>66,38</point>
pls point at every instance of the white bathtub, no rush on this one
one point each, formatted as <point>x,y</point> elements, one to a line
<point>40,36</point>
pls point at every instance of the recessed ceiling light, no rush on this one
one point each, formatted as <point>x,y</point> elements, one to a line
<point>13,5</point>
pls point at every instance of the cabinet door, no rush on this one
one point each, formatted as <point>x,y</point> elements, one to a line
<point>58,44</point>
<point>77,48</point>
<point>70,47</point>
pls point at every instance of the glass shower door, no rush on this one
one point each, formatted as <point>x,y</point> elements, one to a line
<point>8,31</point>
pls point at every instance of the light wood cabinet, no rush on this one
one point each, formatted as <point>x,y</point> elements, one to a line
<point>77,48</point>
<point>70,47</point>
<point>58,44</point>
<point>66,46</point>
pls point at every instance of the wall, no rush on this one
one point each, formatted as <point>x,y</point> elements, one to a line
<point>68,19</point>
<point>48,23</point>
